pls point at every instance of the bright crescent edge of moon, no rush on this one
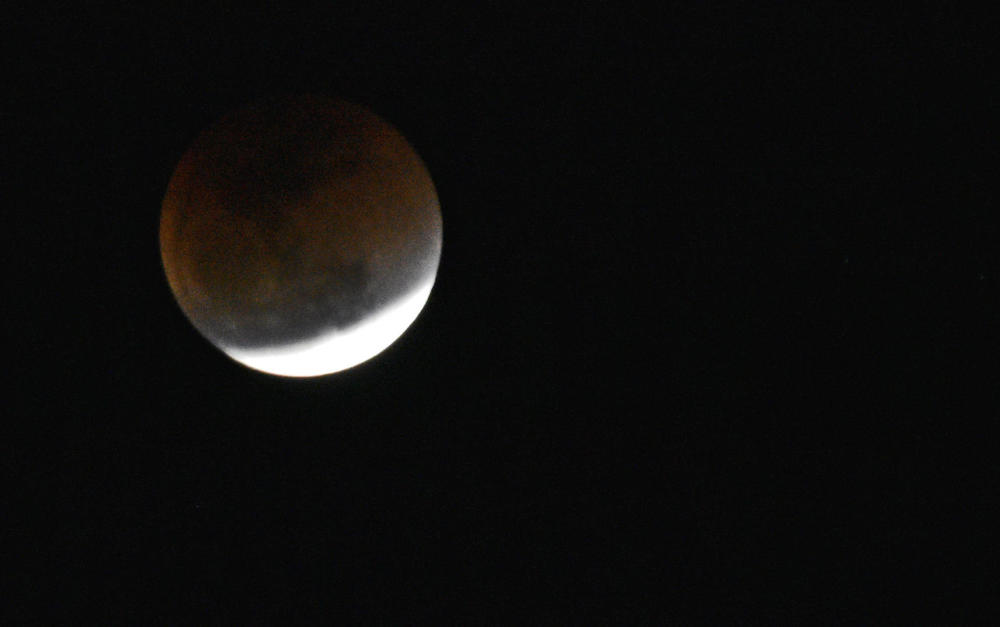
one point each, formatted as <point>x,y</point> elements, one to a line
<point>339,349</point>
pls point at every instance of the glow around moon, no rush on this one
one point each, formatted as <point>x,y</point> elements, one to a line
<point>301,236</point>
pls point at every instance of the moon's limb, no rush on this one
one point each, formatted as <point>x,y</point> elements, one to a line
<point>339,349</point>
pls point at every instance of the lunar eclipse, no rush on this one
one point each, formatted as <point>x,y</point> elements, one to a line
<point>301,235</point>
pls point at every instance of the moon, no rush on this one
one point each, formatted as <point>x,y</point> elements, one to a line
<point>301,235</point>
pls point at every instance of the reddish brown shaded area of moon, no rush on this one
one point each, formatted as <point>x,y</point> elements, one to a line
<point>294,217</point>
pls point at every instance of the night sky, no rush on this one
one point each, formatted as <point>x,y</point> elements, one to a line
<point>710,341</point>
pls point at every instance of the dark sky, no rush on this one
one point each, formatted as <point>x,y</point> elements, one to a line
<point>709,343</point>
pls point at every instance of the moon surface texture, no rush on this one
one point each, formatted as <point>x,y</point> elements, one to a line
<point>301,236</point>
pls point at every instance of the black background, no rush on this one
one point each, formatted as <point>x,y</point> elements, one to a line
<point>710,341</point>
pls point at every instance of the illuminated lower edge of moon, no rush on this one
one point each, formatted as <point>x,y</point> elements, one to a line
<point>339,349</point>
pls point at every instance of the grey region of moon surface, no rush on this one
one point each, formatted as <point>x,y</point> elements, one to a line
<point>301,235</point>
